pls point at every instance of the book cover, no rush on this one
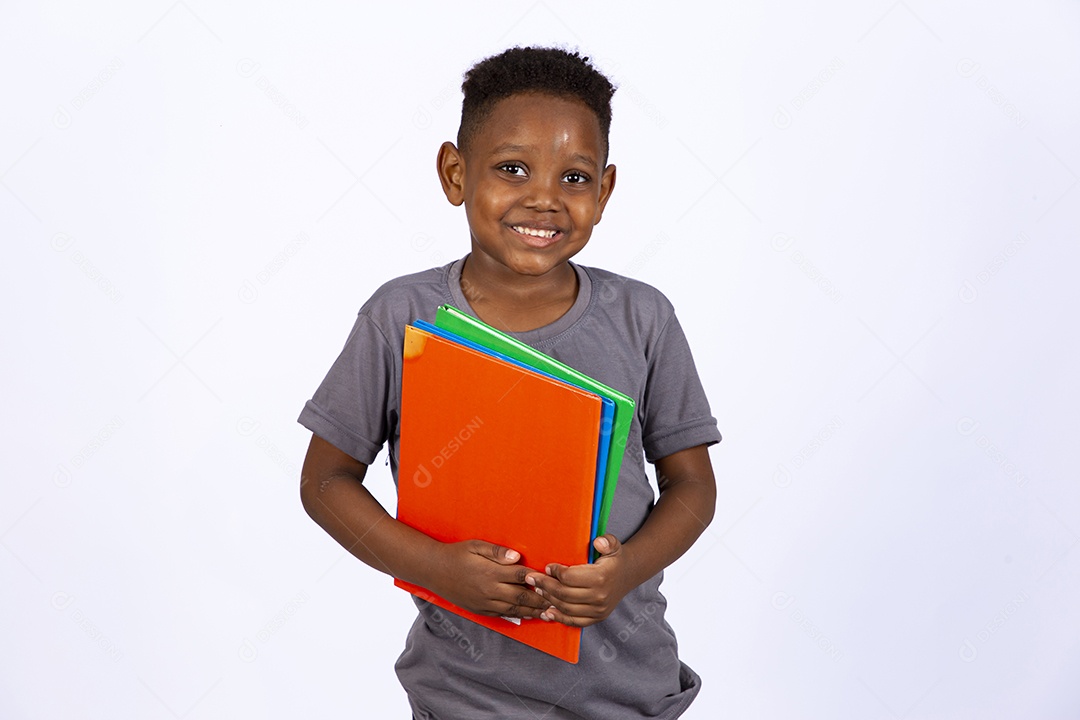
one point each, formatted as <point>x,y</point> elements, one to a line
<point>451,318</point>
<point>607,419</point>
<point>494,451</point>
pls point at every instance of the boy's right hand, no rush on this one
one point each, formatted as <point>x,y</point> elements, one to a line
<point>484,578</point>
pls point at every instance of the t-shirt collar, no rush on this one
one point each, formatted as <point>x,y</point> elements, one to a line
<point>530,337</point>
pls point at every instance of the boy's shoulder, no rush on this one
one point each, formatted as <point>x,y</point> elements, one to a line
<point>407,298</point>
<point>614,282</point>
<point>422,282</point>
<point>631,297</point>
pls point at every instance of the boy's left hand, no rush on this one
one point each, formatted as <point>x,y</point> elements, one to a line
<point>582,595</point>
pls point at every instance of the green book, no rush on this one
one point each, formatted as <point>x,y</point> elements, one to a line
<point>454,320</point>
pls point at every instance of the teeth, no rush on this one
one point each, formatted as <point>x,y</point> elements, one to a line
<point>535,233</point>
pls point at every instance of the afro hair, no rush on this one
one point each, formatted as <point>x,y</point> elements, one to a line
<point>533,69</point>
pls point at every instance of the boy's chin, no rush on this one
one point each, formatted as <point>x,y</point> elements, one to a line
<point>538,264</point>
<point>529,262</point>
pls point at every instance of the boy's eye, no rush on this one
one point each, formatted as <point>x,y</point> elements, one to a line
<point>575,177</point>
<point>512,169</point>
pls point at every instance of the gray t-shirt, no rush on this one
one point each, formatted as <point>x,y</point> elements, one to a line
<point>621,332</point>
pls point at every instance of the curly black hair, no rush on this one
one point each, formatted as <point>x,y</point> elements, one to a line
<point>533,69</point>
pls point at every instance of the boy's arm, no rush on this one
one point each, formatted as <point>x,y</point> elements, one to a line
<point>586,594</point>
<point>475,575</point>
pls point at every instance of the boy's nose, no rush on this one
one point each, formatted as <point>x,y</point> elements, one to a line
<point>543,194</point>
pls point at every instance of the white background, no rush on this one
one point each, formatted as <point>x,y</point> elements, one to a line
<point>866,215</point>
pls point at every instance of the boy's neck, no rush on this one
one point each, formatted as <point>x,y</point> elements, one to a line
<point>517,303</point>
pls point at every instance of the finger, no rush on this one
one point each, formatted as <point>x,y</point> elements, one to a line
<point>607,544</point>
<point>557,592</point>
<point>498,553</point>
<point>556,570</point>
<point>583,606</point>
<point>515,588</point>
<point>553,614</point>
<point>573,576</point>
<point>525,596</point>
<point>505,593</point>
<point>513,601</point>
<point>524,604</point>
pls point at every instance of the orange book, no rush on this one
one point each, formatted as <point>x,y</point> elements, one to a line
<point>494,451</point>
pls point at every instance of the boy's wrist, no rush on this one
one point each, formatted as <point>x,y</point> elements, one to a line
<point>422,563</point>
<point>432,566</point>
<point>635,568</point>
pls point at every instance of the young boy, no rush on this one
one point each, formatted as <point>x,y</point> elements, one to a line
<point>530,167</point>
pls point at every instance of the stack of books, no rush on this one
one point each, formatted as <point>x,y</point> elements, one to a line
<point>503,443</point>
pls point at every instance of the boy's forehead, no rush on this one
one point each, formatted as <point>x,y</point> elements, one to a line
<point>531,120</point>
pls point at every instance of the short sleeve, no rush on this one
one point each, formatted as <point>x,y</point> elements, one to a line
<point>675,413</point>
<point>350,408</point>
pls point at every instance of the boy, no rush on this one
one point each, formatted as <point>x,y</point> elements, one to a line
<point>530,167</point>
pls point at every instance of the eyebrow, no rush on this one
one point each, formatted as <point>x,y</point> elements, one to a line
<point>513,148</point>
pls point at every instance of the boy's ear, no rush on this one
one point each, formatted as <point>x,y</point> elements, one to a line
<point>607,184</point>
<point>451,167</point>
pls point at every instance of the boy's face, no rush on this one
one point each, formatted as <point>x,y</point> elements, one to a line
<point>532,182</point>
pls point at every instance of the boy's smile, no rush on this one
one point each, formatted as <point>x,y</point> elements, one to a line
<point>533,186</point>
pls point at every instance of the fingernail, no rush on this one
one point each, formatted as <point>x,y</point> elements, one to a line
<point>529,580</point>
<point>539,592</point>
<point>512,555</point>
<point>545,617</point>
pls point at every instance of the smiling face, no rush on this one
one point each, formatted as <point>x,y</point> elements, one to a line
<point>532,181</point>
